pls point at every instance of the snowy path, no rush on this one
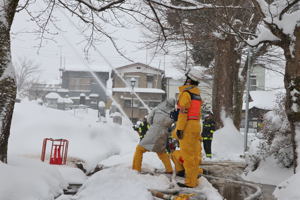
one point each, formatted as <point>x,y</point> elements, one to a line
<point>267,191</point>
<point>233,170</point>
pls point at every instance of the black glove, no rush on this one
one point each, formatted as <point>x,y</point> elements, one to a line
<point>179,134</point>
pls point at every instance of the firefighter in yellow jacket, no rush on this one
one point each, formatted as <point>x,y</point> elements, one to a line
<point>188,127</point>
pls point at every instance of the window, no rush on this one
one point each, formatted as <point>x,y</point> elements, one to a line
<point>253,82</point>
<point>150,81</point>
<point>79,83</point>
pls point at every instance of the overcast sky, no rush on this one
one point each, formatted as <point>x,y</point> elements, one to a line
<point>70,43</point>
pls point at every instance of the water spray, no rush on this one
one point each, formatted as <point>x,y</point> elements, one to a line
<point>107,62</point>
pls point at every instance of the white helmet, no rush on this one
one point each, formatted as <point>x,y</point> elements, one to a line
<point>195,73</point>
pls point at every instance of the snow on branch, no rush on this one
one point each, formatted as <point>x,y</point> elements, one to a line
<point>287,8</point>
<point>264,35</point>
<point>280,20</point>
<point>90,5</point>
<point>263,7</point>
<point>195,5</point>
<point>275,9</point>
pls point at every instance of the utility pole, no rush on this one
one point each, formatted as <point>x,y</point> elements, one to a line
<point>132,83</point>
<point>247,101</point>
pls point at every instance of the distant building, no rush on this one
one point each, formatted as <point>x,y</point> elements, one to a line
<point>77,84</point>
<point>260,101</point>
<point>81,82</point>
<point>40,90</point>
<point>148,86</point>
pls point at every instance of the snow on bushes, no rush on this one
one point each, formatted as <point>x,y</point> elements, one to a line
<point>274,139</point>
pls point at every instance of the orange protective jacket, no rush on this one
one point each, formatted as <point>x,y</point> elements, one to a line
<point>189,103</point>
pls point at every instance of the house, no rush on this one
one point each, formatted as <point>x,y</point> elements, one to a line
<point>40,90</point>
<point>260,102</point>
<point>148,86</point>
<point>84,84</point>
<point>80,84</point>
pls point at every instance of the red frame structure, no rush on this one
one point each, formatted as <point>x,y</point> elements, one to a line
<point>58,153</point>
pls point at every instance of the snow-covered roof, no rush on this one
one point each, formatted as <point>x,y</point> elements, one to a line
<point>52,95</point>
<point>94,68</point>
<point>265,100</point>
<point>94,95</point>
<point>65,100</point>
<point>62,90</point>
<point>139,90</point>
<point>53,82</point>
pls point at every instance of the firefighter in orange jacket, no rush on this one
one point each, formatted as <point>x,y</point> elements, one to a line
<point>188,127</point>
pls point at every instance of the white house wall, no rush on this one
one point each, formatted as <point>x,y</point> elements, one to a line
<point>260,77</point>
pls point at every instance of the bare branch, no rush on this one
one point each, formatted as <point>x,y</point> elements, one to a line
<point>157,19</point>
<point>23,6</point>
<point>197,5</point>
<point>289,6</point>
<point>103,8</point>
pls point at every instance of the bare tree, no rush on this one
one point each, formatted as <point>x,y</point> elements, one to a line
<point>212,30</point>
<point>90,12</point>
<point>7,80</point>
<point>26,74</point>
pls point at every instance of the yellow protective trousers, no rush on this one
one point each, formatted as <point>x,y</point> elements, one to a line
<point>178,162</point>
<point>190,149</point>
<point>138,158</point>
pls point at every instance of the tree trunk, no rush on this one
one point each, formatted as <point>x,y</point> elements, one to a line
<point>7,81</point>
<point>239,88</point>
<point>292,86</point>
<point>225,74</point>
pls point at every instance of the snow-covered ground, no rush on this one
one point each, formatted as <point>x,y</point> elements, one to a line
<point>92,142</point>
<point>111,145</point>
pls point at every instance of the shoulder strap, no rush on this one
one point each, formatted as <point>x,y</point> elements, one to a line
<point>194,96</point>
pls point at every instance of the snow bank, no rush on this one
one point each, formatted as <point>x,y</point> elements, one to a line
<point>28,179</point>
<point>131,185</point>
<point>268,172</point>
<point>228,142</point>
<point>52,95</point>
<point>289,189</point>
<point>88,140</point>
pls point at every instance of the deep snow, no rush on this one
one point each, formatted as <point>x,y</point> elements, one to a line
<point>93,143</point>
<point>111,145</point>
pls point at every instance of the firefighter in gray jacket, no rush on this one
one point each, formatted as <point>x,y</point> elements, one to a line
<point>156,138</point>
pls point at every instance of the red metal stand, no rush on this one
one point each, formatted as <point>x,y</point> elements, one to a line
<point>58,153</point>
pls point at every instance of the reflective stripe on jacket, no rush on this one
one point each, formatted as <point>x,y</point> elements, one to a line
<point>185,104</point>
<point>209,127</point>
